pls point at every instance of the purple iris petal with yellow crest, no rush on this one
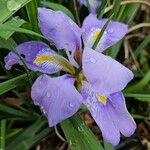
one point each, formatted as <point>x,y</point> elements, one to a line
<point>104,80</point>
<point>92,26</point>
<point>102,94</point>
<point>37,56</point>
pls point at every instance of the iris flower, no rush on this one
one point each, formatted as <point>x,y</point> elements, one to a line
<point>103,78</point>
<point>93,4</point>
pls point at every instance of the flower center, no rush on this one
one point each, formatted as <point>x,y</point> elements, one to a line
<point>102,99</point>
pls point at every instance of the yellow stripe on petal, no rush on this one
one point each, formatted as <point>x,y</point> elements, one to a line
<point>97,32</point>
<point>43,58</point>
<point>102,99</point>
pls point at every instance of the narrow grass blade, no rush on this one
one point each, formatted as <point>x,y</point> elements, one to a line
<point>137,116</point>
<point>78,134</point>
<point>2,134</point>
<point>101,33</point>
<point>32,15</point>
<point>26,134</point>
<point>116,8</point>
<point>141,84</point>
<point>139,96</point>
<point>4,27</point>
<point>28,143</point>
<point>129,12</point>
<point>16,112</point>
<point>102,8</point>
<point>142,45</point>
<point>15,82</point>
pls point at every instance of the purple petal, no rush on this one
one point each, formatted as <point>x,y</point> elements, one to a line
<point>102,115</point>
<point>94,5</point>
<point>11,59</point>
<point>92,26</point>
<point>57,97</point>
<point>31,50</point>
<point>105,74</point>
<point>60,29</point>
<point>112,117</point>
<point>124,120</point>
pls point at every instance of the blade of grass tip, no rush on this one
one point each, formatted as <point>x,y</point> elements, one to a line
<point>2,135</point>
<point>102,8</point>
<point>101,33</point>
<point>136,116</point>
<point>139,97</point>
<point>140,84</point>
<point>116,7</point>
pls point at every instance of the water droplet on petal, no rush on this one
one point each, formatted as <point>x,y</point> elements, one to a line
<point>44,112</point>
<point>110,30</point>
<point>13,5</point>
<point>92,60</point>
<point>36,103</point>
<point>48,94</point>
<point>71,105</point>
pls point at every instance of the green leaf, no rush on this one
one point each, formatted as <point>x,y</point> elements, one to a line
<point>28,143</point>
<point>4,27</point>
<point>116,8</point>
<point>7,44</point>
<point>2,134</point>
<point>32,15</point>
<point>141,84</point>
<point>137,116</point>
<point>114,50</point>
<point>129,12</point>
<point>139,96</point>
<point>102,8</point>
<point>14,22</point>
<point>16,112</point>
<point>142,45</point>
<point>15,82</point>
<point>28,133</point>
<point>56,6</point>
<point>78,134</point>
<point>9,7</point>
